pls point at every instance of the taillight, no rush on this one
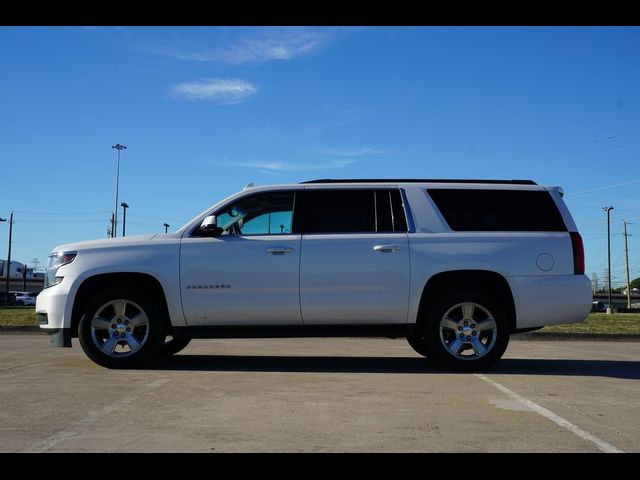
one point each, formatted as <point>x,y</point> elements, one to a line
<point>578,253</point>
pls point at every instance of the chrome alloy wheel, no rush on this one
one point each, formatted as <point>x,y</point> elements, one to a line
<point>119,328</point>
<point>468,331</point>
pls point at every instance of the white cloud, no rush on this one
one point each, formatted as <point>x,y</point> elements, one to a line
<point>224,91</point>
<point>354,152</point>
<point>282,45</point>
<point>285,167</point>
<point>256,50</point>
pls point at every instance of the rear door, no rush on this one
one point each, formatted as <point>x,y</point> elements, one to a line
<point>354,260</point>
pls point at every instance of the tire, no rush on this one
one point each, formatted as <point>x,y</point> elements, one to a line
<point>466,331</point>
<point>418,344</point>
<point>173,345</point>
<point>121,328</point>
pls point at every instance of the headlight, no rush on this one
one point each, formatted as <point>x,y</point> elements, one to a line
<point>57,260</point>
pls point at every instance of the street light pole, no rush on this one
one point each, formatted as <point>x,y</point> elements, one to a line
<point>118,147</point>
<point>124,216</point>
<point>166,226</point>
<point>608,210</point>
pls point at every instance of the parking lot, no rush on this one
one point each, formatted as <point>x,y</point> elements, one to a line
<point>320,395</point>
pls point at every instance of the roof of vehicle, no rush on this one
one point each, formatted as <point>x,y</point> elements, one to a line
<point>420,180</point>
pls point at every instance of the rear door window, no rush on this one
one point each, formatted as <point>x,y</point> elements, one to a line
<point>349,211</point>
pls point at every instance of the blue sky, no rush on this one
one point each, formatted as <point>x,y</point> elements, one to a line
<point>205,110</point>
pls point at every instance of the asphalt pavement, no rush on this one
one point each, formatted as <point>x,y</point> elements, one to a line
<point>320,395</point>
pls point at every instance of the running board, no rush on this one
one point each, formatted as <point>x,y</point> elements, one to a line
<point>293,331</point>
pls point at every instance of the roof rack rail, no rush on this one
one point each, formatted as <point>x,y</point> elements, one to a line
<point>418,180</point>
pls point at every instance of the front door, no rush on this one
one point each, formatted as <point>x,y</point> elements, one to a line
<point>247,275</point>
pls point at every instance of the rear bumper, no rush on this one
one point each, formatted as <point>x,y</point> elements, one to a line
<point>549,300</point>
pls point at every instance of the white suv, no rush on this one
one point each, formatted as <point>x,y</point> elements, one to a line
<point>25,298</point>
<point>455,266</point>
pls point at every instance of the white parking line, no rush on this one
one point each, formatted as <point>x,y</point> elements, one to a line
<point>52,441</point>
<point>558,420</point>
<point>93,417</point>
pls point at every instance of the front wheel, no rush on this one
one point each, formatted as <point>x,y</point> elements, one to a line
<point>466,331</point>
<point>418,344</point>
<point>121,328</point>
<point>173,345</point>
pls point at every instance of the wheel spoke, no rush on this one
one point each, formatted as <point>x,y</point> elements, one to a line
<point>133,342</point>
<point>110,345</point>
<point>119,307</point>
<point>488,324</point>
<point>456,346</point>
<point>100,323</point>
<point>467,311</point>
<point>138,320</point>
<point>479,348</point>
<point>448,322</point>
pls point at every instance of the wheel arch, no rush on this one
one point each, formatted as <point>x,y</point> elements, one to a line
<point>138,281</point>
<point>487,281</point>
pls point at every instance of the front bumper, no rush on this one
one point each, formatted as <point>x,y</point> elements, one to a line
<point>53,309</point>
<point>59,337</point>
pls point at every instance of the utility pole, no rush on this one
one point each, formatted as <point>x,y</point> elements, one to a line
<point>124,215</point>
<point>626,256</point>
<point>166,226</point>
<point>118,147</point>
<point>608,210</point>
<point>2,271</point>
<point>594,282</point>
<point>36,263</point>
<point>9,254</point>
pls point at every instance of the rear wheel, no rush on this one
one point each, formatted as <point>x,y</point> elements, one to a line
<point>466,331</point>
<point>121,328</point>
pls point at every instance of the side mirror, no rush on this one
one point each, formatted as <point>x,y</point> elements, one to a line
<point>209,227</point>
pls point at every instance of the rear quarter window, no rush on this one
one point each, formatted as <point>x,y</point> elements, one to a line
<point>498,210</point>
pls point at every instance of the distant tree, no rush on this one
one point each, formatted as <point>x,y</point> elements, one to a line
<point>595,284</point>
<point>635,283</point>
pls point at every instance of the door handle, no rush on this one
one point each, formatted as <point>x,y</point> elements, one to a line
<point>279,250</point>
<point>387,248</point>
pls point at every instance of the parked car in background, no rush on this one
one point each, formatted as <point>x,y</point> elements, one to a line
<point>7,300</point>
<point>25,298</point>
<point>599,307</point>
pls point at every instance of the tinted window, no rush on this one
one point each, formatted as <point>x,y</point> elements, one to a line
<point>349,211</point>
<point>390,212</point>
<point>260,214</point>
<point>335,211</point>
<point>498,210</point>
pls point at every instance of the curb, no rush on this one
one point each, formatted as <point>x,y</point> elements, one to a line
<point>593,337</point>
<point>21,329</point>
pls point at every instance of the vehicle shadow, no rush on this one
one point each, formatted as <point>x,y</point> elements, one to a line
<point>629,370</point>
